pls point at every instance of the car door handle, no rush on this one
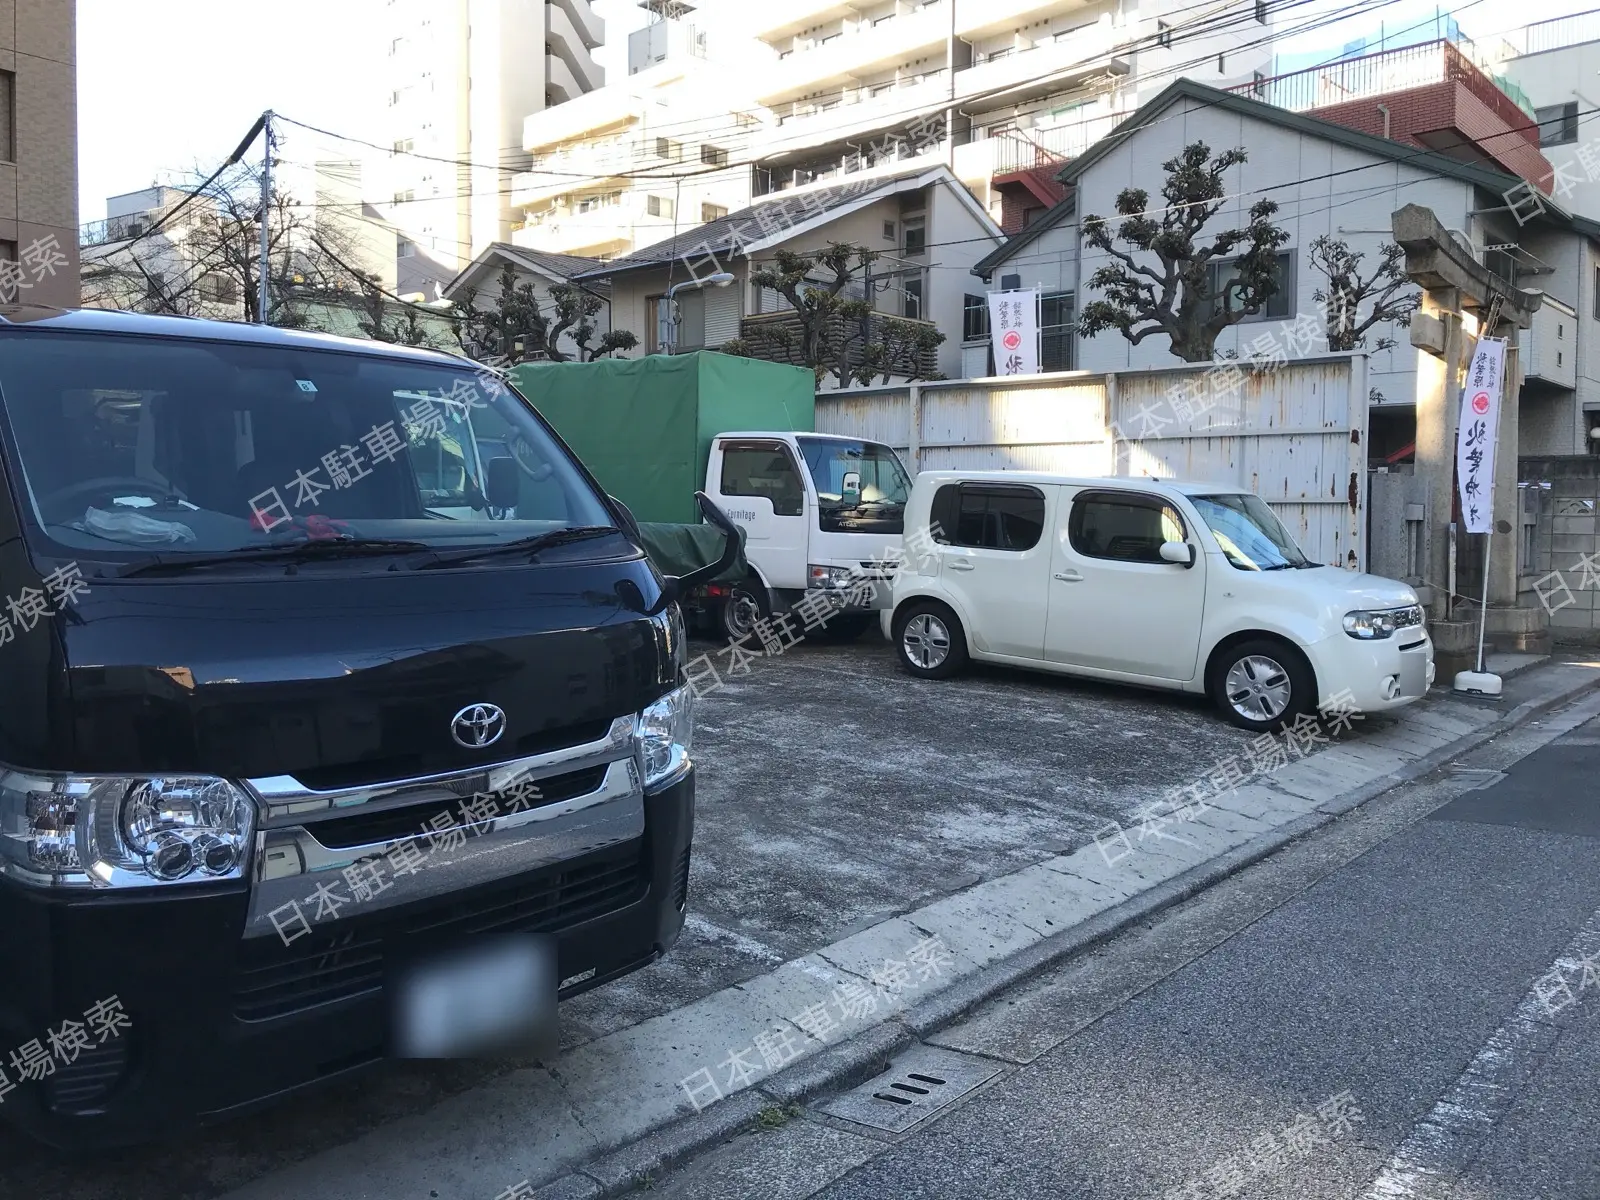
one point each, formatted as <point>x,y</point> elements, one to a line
<point>1069,576</point>
<point>961,564</point>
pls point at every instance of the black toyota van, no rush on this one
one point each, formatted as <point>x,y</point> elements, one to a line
<point>320,661</point>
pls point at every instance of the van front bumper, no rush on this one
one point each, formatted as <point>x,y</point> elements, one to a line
<point>1372,676</point>
<point>220,1024</point>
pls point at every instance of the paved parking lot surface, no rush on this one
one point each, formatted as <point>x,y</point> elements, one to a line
<point>834,792</point>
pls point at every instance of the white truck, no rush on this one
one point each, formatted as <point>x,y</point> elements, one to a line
<point>820,512</point>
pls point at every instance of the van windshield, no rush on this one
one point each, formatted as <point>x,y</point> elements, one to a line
<point>1250,533</point>
<point>165,444</point>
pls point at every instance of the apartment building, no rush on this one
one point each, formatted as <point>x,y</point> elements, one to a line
<point>38,152</point>
<point>644,158</point>
<point>463,77</point>
<point>1002,91</point>
<point>1555,64</point>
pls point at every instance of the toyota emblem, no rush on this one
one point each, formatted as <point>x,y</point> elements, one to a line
<point>478,725</point>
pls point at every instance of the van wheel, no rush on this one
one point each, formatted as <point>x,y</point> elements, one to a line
<point>1262,684</point>
<point>929,640</point>
<point>746,603</point>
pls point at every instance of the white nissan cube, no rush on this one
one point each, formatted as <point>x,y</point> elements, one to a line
<point>1188,586</point>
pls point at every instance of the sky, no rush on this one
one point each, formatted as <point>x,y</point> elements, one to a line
<point>165,86</point>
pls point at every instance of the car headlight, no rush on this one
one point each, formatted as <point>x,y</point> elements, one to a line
<point>831,577</point>
<point>663,732</point>
<point>1376,624</point>
<point>122,831</point>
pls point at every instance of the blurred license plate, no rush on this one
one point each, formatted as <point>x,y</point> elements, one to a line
<point>494,996</point>
<point>1413,673</point>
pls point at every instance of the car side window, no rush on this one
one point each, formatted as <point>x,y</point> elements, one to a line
<point>989,517</point>
<point>763,469</point>
<point>1125,527</point>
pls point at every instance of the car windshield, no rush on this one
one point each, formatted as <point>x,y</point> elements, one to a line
<point>127,445</point>
<point>860,485</point>
<point>1249,532</point>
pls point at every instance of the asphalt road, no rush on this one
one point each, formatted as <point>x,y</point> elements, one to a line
<point>1416,972</point>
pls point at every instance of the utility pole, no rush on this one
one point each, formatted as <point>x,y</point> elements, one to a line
<point>264,298</point>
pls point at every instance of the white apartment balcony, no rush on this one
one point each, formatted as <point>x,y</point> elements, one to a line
<point>991,17</point>
<point>585,117</point>
<point>836,62</point>
<point>565,41</point>
<point>854,117</point>
<point>585,166</point>
<point>591,29</point>
<point>770,22</point>
<point>608,229</point>
<point>1046,68</point>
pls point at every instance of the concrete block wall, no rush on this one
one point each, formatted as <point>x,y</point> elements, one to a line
<point>1564,575</point>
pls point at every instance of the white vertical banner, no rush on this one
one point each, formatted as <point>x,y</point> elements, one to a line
<point>1475,434</point>
<point>1014,329</point>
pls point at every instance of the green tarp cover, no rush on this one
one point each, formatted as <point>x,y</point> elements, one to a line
<point>644,425</point>
<point>679,549</point>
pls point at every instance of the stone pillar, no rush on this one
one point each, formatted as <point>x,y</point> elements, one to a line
<point>1507,500</point>
<point>1438,400</point>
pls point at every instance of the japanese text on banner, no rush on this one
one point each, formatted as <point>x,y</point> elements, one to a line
<point>1014,322</point>
<point>1475,434</point>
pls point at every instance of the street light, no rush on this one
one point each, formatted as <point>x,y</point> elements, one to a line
<point>721,280</point>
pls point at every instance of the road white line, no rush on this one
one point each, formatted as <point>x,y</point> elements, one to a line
<point>1446,1141</point>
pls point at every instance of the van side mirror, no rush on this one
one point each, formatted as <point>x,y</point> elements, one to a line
<point>502,483</point>
<point>1180,554</point>
<point>674,587</point>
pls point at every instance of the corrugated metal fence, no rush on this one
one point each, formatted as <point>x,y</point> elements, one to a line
<point>1295,435</point>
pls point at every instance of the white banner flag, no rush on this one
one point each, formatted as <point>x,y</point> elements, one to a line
<point>1475,434</point>
<point>1014,328</point>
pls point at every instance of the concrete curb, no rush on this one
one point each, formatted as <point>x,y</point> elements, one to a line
<point>620,1172</point>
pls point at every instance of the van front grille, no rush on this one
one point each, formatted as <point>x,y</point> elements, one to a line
<point>347,957</point>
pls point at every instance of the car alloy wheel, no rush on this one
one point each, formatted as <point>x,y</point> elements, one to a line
<point>1258,688</point>
<point>926,641</point>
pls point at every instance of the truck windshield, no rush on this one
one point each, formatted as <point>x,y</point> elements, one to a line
<point>126,444</point>
<point>1250,533</point>
<point>861,486</point>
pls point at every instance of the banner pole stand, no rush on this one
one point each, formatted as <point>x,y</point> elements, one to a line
<point>1481,682</point>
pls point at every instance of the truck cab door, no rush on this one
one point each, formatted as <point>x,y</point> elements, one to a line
<point>759,484</point>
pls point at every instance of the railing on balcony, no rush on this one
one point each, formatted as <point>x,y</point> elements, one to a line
<point>115,229</point>
<point>1570,30</point>
<point>1385,73</point>
<point>1041,149</point>
<point>776,337</point>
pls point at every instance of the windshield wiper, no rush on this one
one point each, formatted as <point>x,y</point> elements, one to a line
<point>524,546</point>
<point>300,551</point>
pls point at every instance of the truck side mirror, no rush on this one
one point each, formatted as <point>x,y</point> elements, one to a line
<point>502,483</point>
<point>850,489</point>
<point>1180,554</point>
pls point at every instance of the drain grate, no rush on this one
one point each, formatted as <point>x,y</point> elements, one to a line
<point>921,1082</point>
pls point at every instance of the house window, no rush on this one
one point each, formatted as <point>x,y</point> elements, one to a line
<point>658,206</point>
<point>888,231</point>
<point>1031,214</point>
<point>405,197</point>
<point>1164,35</point>
<point>913,298</point>
<point>1258,85</point>
<point>668,149</point>
<point>1261,11</point>
<point>405,248</point>
<point>712,212</point>
<point>1222,64</point>
<point>1056,331</point>
<point>974,318</point>
<point>916,238</point>
<point>404,146</point>
<point>1558,124</point>
<point>1597,293</point>
<point>1278,308</point>
<point>713,156</point>
<point>218,288</point>
<point>8,116</point>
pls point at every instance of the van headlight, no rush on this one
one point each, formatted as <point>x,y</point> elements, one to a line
<point>1375,624</point>
<point>122,831</point>
<point>663,732</point>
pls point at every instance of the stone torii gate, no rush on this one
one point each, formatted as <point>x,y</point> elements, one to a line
<point>1454,283</point>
